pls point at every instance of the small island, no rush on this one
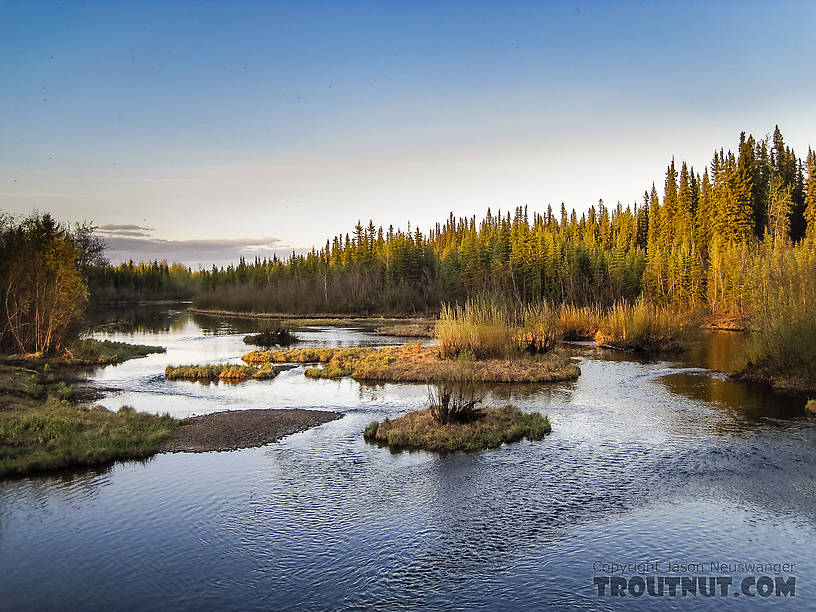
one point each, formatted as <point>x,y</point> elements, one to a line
<point>491,428</point>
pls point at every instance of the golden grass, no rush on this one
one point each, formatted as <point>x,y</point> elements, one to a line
<point>579,323</point>
<point>641,327</point>
<point>224,371</point>
<point>417,363</point>
<point>419,430</point>
<point>485,327</point>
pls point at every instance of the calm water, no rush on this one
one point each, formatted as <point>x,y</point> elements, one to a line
<point>648,460</point>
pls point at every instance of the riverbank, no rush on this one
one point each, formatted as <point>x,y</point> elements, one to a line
<point>235,429</point>
<point>417,363</point>
<point>493,427</point>
<point>46,423</point>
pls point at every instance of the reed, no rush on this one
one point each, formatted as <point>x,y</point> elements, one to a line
<point>579,323</point>
<point>641,327</point>
<point>489,327</point>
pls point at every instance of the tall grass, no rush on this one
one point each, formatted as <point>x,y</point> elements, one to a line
<point>579,323</point>
<point>641,327</point>
<point>487,327</point>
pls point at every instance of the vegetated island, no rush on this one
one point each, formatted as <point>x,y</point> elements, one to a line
<point>489,428</point>
<point>273,333</point>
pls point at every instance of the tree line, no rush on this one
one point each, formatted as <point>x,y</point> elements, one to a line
<point>689,246</point>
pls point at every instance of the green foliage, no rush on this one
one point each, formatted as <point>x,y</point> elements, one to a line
<point>43,289</point>
<point>780,301</point>
<point>58,434</point>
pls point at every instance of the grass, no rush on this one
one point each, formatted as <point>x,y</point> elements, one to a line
<point>493,427</point>
<point>488,327</point>
<point>417,363</point>
<point>58,434</point>
<point>96,352</point>
<point>223,371</point>
<point>579,323</point>
<point>641,327</point>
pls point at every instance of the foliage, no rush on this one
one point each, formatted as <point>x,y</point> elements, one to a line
<point>780,299</point>
<point>419,430</point>
<point>42,287</point>
<point>58,434</point>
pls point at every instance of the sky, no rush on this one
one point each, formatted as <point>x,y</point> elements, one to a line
<point>202,131</point>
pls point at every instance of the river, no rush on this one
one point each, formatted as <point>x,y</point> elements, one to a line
<point>650,460</point>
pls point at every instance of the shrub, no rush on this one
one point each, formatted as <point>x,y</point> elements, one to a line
<point>453,396</point>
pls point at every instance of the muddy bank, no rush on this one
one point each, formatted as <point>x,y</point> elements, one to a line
<point>234,429</point>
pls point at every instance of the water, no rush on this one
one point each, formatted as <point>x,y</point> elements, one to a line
<point>648,460</point>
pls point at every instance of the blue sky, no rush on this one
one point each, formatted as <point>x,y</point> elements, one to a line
<point>253,127</point>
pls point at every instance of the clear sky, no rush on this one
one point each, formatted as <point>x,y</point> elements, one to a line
<point>198,131</point>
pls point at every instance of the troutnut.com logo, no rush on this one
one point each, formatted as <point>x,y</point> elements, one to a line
<point>710,579</point>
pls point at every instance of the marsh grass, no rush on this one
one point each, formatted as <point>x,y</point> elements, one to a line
<point>419,430</point>
<point>58,434</point>
<point>490,327</point>
<point>641,327</point>
<point>579,322</point>
<point>224,371</point>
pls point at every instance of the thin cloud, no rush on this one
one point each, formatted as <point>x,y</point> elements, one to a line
<point>204,252</point>
<point>124,228</point>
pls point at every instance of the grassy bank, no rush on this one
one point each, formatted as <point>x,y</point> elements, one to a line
<point>494,426</point>
<point>105,352</point>
<point>37,436</point>
<point>222,371</point>
<point>417,363</point>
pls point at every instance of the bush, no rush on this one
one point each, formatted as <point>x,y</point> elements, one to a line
<point>453,396</point>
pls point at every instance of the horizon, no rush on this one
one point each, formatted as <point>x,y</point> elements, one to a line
<point>202,133</point>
